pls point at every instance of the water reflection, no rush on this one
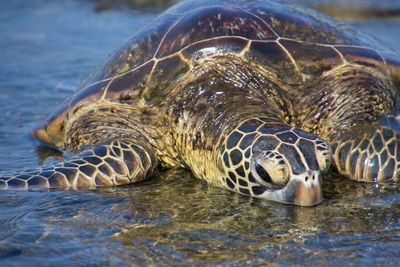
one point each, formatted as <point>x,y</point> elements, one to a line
<point>175,218</point>
<point>180,219</point>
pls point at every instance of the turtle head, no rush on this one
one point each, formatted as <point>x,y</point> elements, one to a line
<point>52,132</point>
<point>280,163</point>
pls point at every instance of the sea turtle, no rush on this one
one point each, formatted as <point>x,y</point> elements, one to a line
<point>258,97</point>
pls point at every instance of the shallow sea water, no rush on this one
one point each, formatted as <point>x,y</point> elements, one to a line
<point>47,48</point>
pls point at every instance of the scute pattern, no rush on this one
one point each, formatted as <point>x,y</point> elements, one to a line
<point>211,22</point>
<point>256,136</point>
<point>292,23</point>
<point>311,58</point>
<point>364,156</point>
<point>113,163</point>
<point>287,44</point>
<point>140,49</point>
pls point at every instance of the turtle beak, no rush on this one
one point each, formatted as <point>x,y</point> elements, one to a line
<point>41,134</point>
<point>302,190</point>
<point>307,192</point>
<point>51,133</point>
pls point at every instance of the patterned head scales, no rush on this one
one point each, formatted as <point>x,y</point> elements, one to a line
<point>277,163</point>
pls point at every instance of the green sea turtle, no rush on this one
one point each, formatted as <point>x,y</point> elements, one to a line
<point>258,97</point>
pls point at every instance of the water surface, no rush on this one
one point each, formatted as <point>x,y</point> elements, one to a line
<point>47,48</point>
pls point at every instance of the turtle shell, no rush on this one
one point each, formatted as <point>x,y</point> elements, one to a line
<point>290,42</point>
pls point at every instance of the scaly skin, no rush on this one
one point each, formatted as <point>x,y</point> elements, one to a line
<point>112,163</point>
<point>349,116</point>
<point>371,156</point>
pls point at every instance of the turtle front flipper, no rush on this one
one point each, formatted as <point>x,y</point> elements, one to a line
<point>112,163</point>
<point>373,155</point>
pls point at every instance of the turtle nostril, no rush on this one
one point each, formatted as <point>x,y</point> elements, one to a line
<point>313,177</point>
<point>306,179</point>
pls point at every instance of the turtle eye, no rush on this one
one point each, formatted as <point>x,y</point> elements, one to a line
<point>263,174</point>
<point>271,169</point>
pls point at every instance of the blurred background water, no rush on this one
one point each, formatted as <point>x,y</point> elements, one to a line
<point>46,48</point>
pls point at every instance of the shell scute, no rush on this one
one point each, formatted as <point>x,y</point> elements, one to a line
<point>136,51</point>
<point>211,22</point>
<point>130,85</point>
<point>165,73</point>
<point>272,57</point>
<point>311,58</point>
<point>362,55</point>
<point>93,92</point>
<point>304,25</point>
<point>201,49</point>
